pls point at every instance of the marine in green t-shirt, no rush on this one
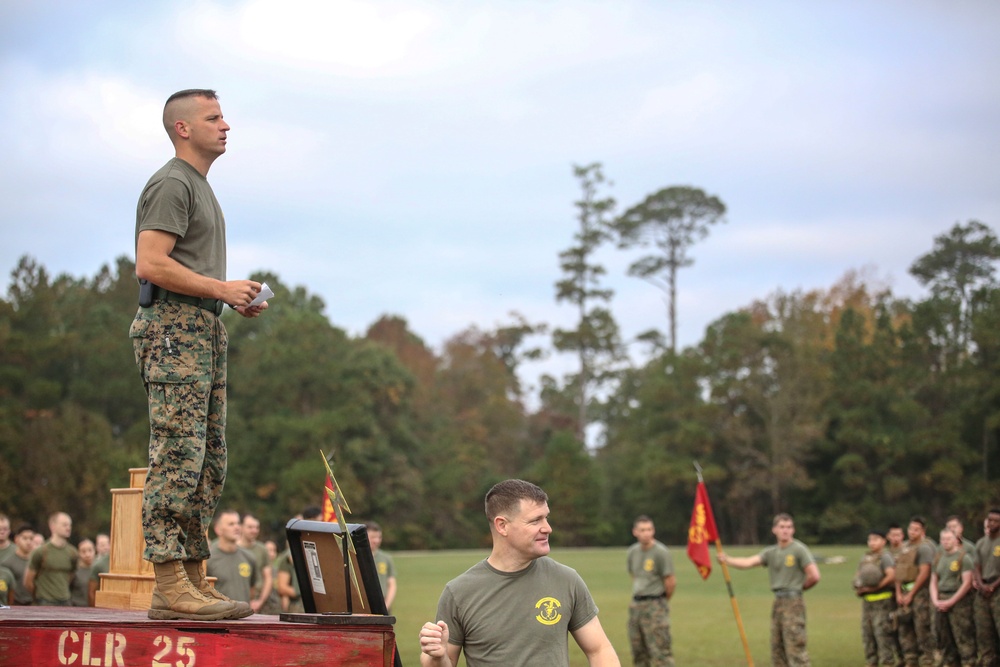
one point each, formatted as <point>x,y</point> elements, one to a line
<point>651,568</point>
<point>52,566</point>
<point>791,569</point>
<point>384,565</point>
<point>518,606</point>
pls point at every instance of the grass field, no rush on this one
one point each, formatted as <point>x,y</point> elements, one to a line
<point>704,629</point>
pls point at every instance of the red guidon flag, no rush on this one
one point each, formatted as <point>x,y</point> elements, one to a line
<point>329,513</point>
<point>701,532</point>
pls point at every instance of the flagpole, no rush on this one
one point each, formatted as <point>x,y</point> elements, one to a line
<point>729,586</point>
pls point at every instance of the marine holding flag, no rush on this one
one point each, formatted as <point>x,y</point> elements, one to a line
<point>792,569</point>
<point>652,570</point>
<point>701,532</point>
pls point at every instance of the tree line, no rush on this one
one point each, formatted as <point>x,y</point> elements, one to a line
<point>847,406</point>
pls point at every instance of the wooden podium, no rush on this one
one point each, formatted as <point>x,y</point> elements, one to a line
<point>128,584</point>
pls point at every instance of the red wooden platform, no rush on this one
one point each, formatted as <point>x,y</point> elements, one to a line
<point>89,637</point>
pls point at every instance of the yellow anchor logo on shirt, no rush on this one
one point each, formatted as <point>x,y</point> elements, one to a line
<point>245,570</point>
<point>954,566</point>
<point>789,560</point>
<point>647,565</point>
<point>548,611</point>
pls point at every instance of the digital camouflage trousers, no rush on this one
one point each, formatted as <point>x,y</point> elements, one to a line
<point>181,353</point>
<point>986,616</point>
<point>877,633</point>
<point>916,638</point>
<point>649,633</point>
<point>956,633</point>
<point>788,632</point>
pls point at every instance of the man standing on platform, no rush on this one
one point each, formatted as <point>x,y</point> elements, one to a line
<point>792,570</point>
<point>52,566</point>
<point>180,347</point>
<point>653,582</point>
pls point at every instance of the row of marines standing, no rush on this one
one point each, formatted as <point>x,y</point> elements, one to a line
<point>925,604</point>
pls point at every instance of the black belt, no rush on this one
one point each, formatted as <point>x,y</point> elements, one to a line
<point>211,305</point>
<point>642,598</point>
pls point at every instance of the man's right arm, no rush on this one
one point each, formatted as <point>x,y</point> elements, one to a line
<point>740,563</point>
<point>435,650</point>
<point>154,263</point>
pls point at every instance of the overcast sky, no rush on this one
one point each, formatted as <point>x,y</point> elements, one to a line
<point>415,158</point>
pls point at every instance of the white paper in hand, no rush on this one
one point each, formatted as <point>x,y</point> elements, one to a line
<point>262,296</point>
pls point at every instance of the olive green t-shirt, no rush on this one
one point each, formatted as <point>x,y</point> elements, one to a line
<point>513,619</point>
<point>179,200</point>
<point>787,565</point>
<point>54,569</point>
<point>949,569</point>
<point>649,567</point>
<point>987,556</point>
<point>6,585</point>
<point>18,566</point>
<point>385,567</point>
<point>237,572</point>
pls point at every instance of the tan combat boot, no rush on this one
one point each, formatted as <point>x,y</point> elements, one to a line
<point>175,597</point>
<point>196,574</point>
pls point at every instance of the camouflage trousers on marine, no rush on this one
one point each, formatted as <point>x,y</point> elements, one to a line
<point>916,638</point>
<point>649,633</point>
<point>181,353</point>
<point>986,615</point>
<point>877,634</point>
<point>788,632</point>
<point>956,633</point>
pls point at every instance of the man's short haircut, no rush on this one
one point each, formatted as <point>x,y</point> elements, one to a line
<point>916,518</point>
<point>954,517</point>
<point>894,526</point>
<point>4,517</point>
<point>222,513</point>
<point>373,526</point>
<point>995,510</point>
<point>207,93</point>
<point>505,497</point>
<point>642,518</point>
<point>782,516</point>
<point>55,515</point>
<point>312,512</point>
<point>248,515</point>
<point>24,528</point>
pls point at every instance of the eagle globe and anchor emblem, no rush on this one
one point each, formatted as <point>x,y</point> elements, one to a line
<point>548,613</point>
